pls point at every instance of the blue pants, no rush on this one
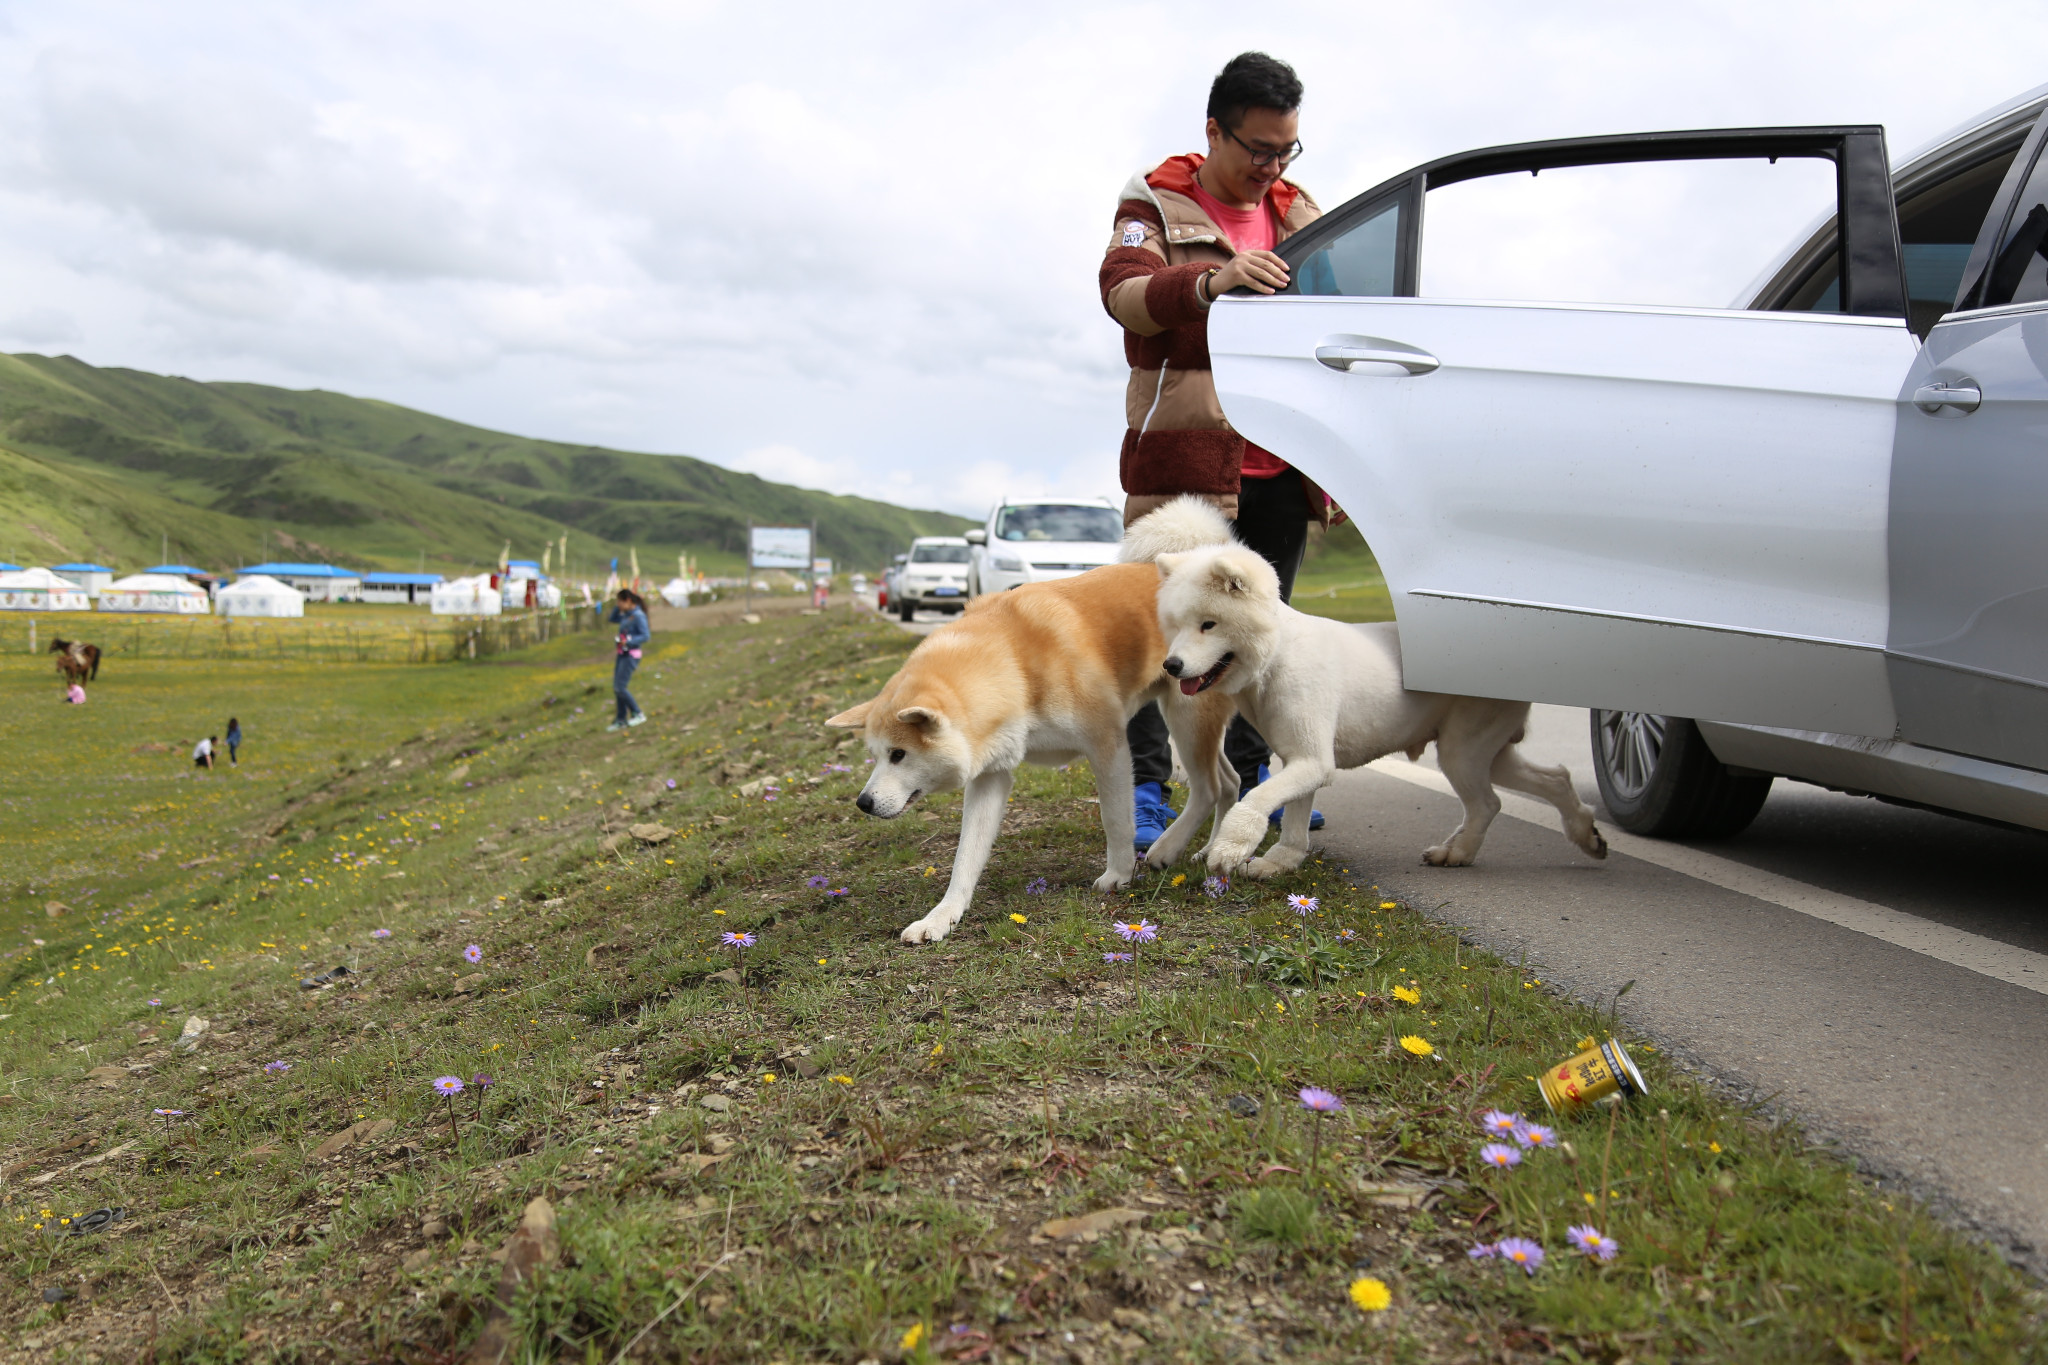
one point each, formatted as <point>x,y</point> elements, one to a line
<point>622,673</point>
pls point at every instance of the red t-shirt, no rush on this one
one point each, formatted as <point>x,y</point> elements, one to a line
<point>1252,229</point>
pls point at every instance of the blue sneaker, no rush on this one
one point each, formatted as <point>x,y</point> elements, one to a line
<point>1315,817</point>
<point>1154,815</point>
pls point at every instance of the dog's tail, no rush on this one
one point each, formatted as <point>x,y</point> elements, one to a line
<point>1187,523</point>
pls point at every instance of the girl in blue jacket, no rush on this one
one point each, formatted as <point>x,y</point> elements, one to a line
<point>630,616</point>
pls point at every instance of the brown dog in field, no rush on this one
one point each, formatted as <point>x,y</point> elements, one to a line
<point>1045,673</point>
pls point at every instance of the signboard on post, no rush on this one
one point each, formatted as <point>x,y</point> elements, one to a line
<point>779,547</point>
<point>822,567</point>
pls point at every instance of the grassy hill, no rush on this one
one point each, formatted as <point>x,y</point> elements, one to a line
<point>108,463</point>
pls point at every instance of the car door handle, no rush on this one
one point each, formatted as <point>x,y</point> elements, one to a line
<point>1963,395</point>
<point>1371,350</point>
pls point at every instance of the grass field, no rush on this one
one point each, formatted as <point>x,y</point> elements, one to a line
<point>1340,579</point>
<point>329,632</point>
<point>827,1147</point>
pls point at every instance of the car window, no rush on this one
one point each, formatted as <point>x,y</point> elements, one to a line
<point>1937,227</point>
<point>1053,521</point>
<point>1359,262</point>
<point>2019,267</point>
<point>939,554</point>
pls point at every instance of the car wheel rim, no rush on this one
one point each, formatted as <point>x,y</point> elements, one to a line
<point>1631,742</point>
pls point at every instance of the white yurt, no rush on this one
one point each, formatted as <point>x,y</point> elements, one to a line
<point>467,597</point>
<point>677,592</point>
<point>155,592</point>
<point>259,595</point>
<point>41,590</point>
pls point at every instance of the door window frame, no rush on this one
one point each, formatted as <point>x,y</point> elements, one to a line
<point>1866,218</point>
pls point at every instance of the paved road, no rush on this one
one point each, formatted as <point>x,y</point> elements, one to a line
<point>1879,970</point>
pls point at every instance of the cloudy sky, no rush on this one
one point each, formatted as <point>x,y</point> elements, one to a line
<point>852,247</point>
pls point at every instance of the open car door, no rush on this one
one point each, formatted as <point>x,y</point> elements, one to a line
<point>1674,510</point>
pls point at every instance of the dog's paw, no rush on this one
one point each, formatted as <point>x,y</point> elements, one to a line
<point>1262,869</point>
<point>1594,843</point>
<point>930,929</point>
<point>1112,880</point>
<point>1444,855</point>
<point>1157,856</point>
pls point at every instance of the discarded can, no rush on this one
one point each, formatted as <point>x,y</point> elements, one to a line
<point>1591,1076</point>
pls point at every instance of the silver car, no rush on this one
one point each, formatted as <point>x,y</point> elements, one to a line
<point>1805,535</point>
<point>1036,540</point>
<point>934,578</point>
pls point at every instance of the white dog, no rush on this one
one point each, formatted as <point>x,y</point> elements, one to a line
<point>1326,696</point>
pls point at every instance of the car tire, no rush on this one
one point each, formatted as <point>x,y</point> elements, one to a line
<point>1659,778</point>
<point>905,611</point>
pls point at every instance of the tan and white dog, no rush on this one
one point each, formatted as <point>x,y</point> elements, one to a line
<point>1327,696</point>
<point>1045,673</point>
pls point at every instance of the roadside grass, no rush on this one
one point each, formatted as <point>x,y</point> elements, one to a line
<point>329,632</point>
<point>1340,579</point>
<point>853,1150</point>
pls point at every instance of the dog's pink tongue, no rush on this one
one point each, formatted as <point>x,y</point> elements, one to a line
<point>1190,686</point>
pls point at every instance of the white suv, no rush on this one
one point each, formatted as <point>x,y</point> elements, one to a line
<point>1034,540</point>
<point>934,578</point>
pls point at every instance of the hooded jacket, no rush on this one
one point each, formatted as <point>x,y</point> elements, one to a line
<point>1178,440</point>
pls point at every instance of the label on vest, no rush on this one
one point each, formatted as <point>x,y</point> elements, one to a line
<point>1134,233</point>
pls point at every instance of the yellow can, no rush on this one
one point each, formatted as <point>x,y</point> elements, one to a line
<point>1589,1077</point>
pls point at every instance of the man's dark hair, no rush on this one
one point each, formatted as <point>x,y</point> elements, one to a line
<point>1252,80</point>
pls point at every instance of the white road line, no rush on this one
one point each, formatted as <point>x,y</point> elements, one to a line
<point>1957,947</point>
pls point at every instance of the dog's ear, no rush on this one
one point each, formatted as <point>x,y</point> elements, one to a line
<point>922,718</point>
<point>1168,563</point>
<point>1229,580</point>
<point>853,719</point>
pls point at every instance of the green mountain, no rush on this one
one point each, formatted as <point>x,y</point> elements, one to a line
<point>125,467</point>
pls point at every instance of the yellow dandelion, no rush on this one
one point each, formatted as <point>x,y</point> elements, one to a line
<point>1419,1046</point>
<point>1387,905</point>
<point>1371,1296</point>
<point>843,1080</point>
<point>767,1078</point>
<point>1020,919</point>
<point>1714,1147</point>
<point>1407,996</point>
<point>913,1336</point>
<point>1586,1042</point>
<point>1180,879</point>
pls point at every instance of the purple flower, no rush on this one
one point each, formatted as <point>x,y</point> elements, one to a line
<point>448,1085</point>
<point>1535,1135</point>
<point>481,1081</point>
<point>1214,887</point>
<point>671,784</point>
<point>380,933</point>
<point>1481,1251</point>
<point>841,891</point>
<point>1320,1100</point>
<point>1593,1242</point>
<point>1116,957</point>
<point>277,1068</point>
<point>1035,887</point>
<point>1303,905</point>
<point>473,953</point>
<point>1346,935</point>
<point>1499,1124</point>
<point>170,1113</point>
<point>1522,1252</point>
<point>433,827</point>
<point>1144,931</point>
<point>156,1002</point>
<point>1501,1155</point>
<point>818,883</point>
<point>745,940</point>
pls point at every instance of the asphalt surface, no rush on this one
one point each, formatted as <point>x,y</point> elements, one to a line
<point>1873,972</point>
<point>1919,1061</point>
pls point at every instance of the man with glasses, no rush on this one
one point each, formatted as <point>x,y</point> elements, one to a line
<point>1191,229</point>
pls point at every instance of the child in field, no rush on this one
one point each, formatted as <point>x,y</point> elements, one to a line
<point>202,754</point>
<point>234,740</point>
<point>75,694</point>
<point>630,615</point>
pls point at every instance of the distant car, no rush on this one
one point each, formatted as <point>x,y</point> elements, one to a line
<point>1035,540</point>
<point>886,586</point>
<point>934,578</point>
<point>1797,536</point>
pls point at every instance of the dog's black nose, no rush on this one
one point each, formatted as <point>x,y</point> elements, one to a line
<point>866,803</point>
<point>1173,667</point>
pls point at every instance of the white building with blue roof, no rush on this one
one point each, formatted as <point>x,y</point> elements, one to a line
<point>317,582</point>
<point>403,589</point>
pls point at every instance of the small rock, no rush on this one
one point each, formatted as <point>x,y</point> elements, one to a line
<point>195,1029</point>
<point>433,1227</point>
<point>1244,1106</point>
<point>719,1143</point>
<point>730,976</point>
<point>56,1293</point>
<point>652,833</point>
<point>466,985</point>
<point>416,1261</point>
<point>717,1104</point>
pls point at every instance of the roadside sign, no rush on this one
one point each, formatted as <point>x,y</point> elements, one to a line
<point>822,566</point>
<point>780,547</point>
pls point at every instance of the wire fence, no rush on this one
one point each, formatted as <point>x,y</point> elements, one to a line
<point>383,638</point>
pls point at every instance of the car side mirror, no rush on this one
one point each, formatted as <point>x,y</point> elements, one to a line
<point>977,536</point>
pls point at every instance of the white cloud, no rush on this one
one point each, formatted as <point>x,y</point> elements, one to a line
<point>853,248</point>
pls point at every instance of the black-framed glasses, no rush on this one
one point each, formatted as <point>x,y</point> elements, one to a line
<point>1260,158</point>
